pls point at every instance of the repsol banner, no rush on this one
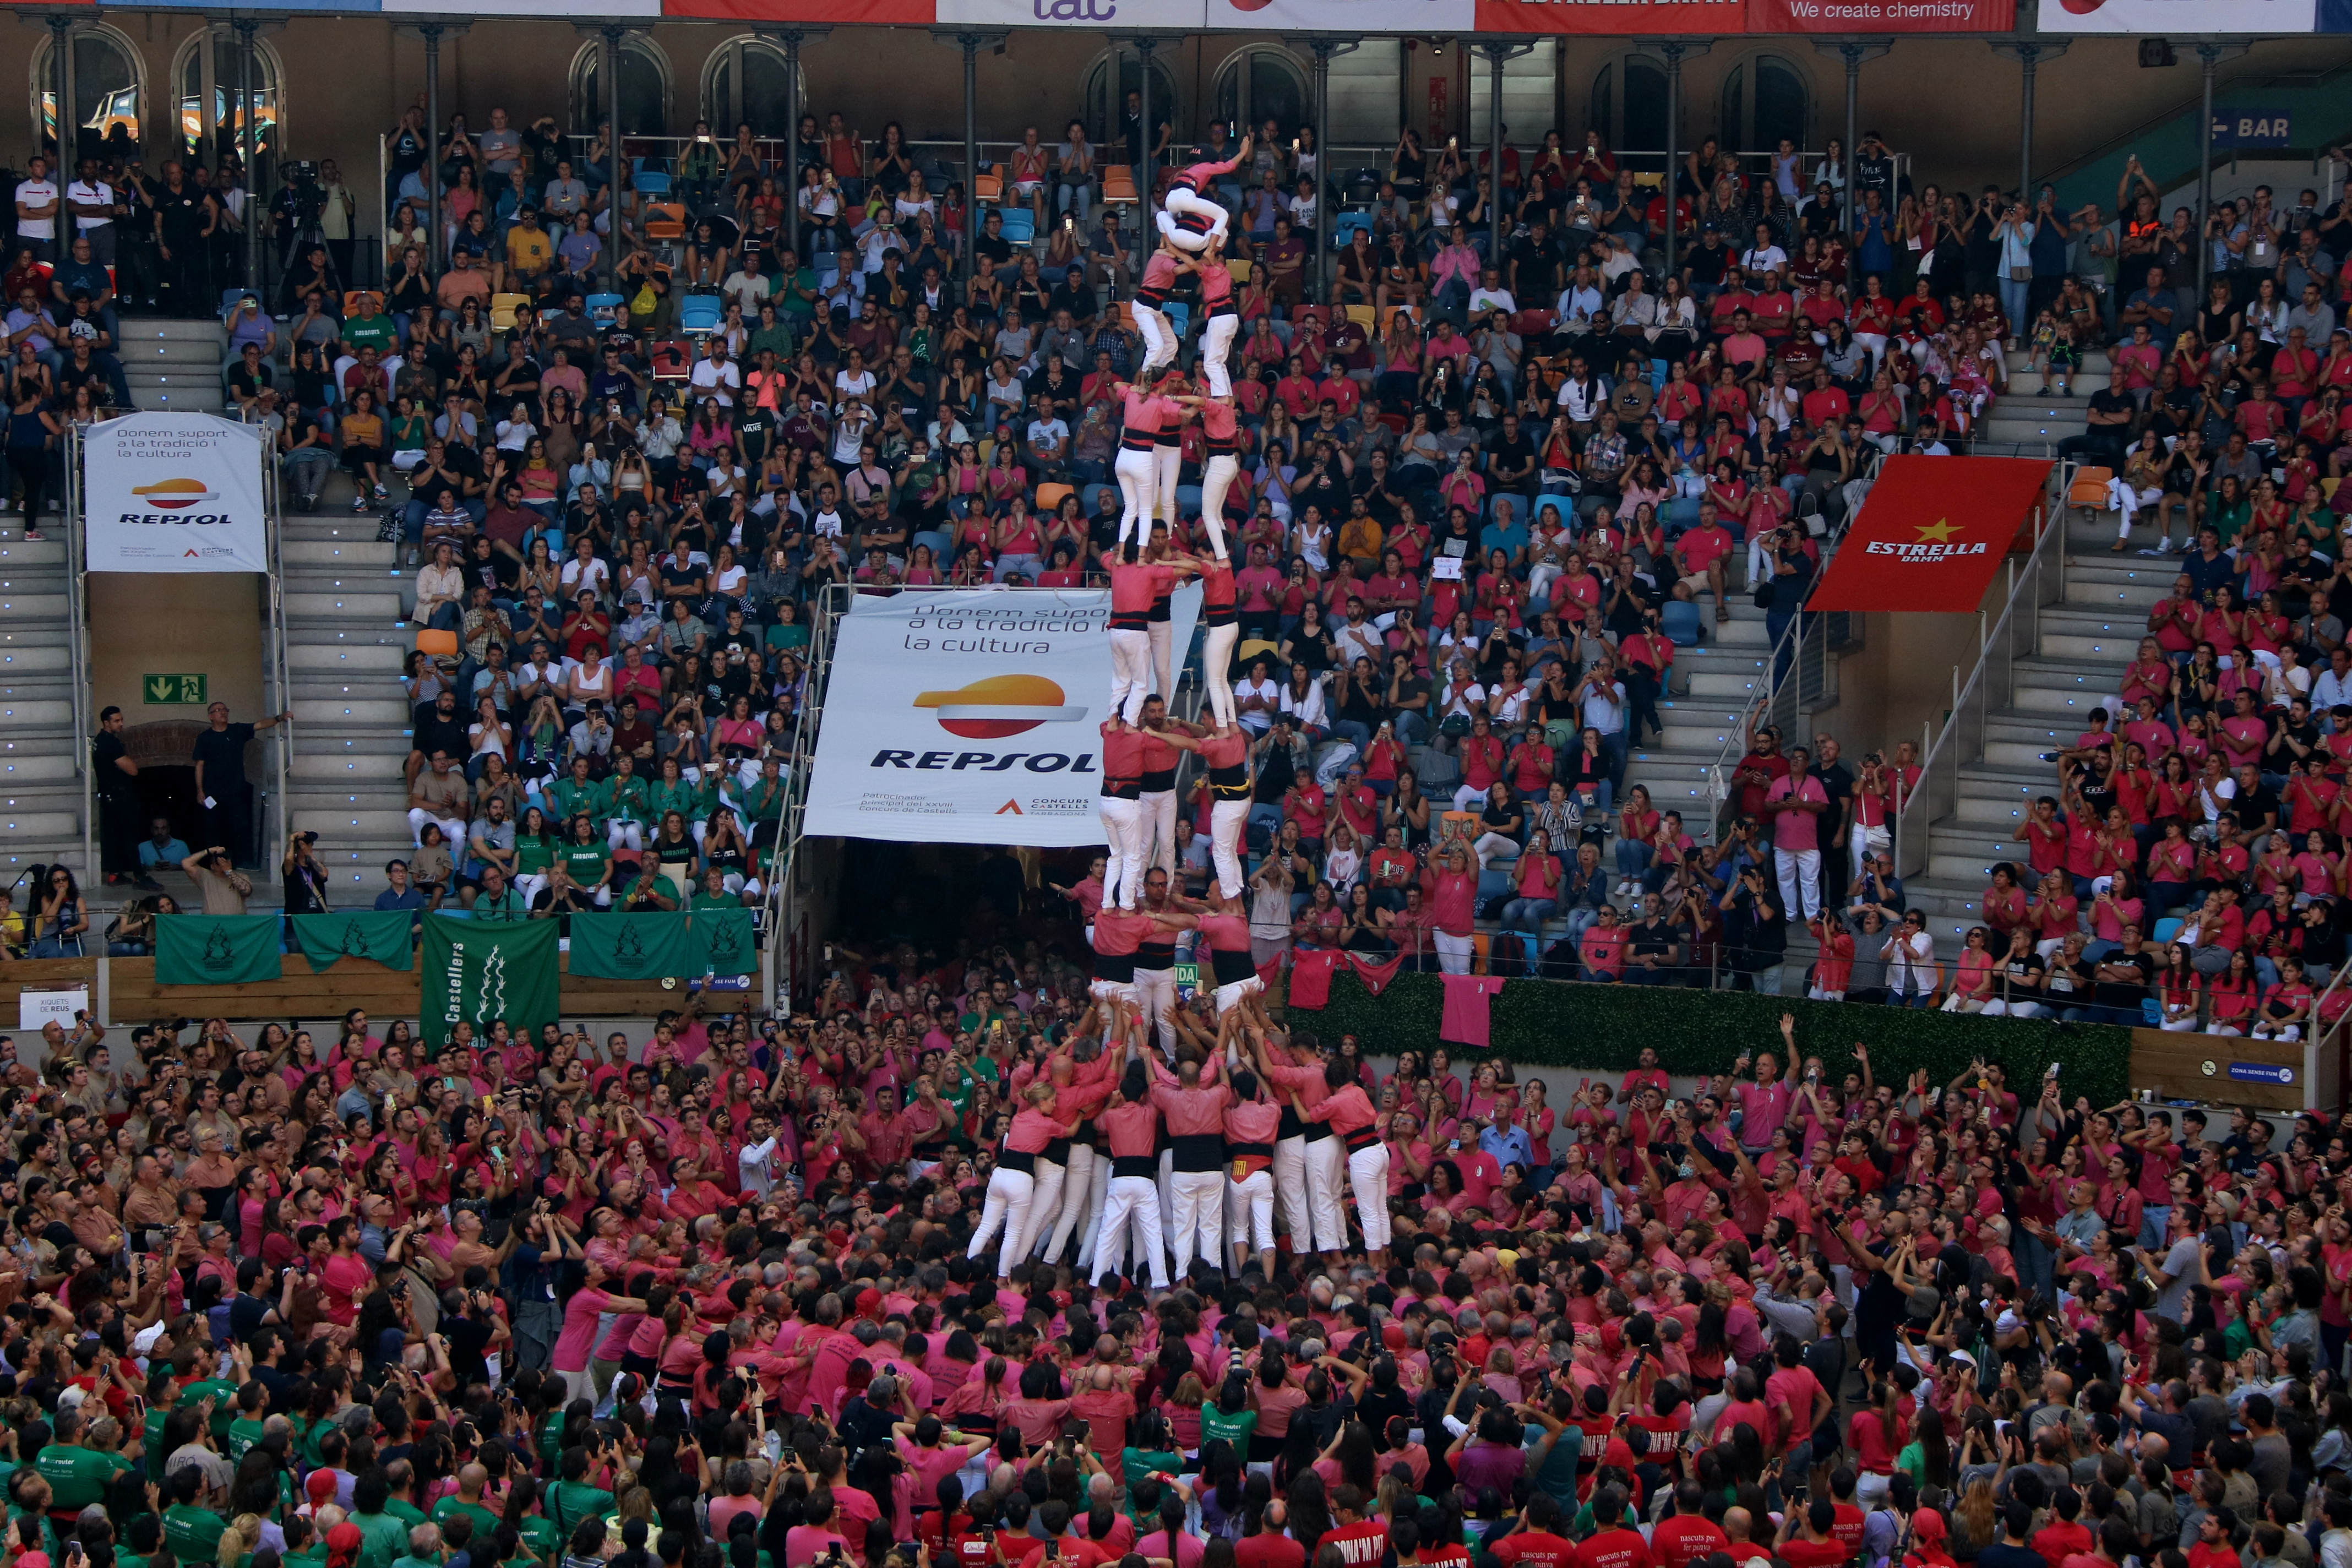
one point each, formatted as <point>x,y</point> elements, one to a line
<point>174,492</point>
<point>971,716</point>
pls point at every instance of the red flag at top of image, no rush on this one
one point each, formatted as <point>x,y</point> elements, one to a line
<point>1932,534</point>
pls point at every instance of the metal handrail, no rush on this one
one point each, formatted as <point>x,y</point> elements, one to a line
<point>783,866</point>
<point>2024,588</point>
<point>1765,697</point>
<point>79,657</point>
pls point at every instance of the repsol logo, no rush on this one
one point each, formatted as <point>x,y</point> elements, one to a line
<point>985,761</point>
<point>152,519</point>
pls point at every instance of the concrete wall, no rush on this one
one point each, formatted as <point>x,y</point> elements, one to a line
<point>1953,102</point>
<point>148,624</point>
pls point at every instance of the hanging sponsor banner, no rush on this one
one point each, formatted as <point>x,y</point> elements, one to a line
<point>874,12</point>
<point>1635,18</point>
<point>2199,18</point>
<point>174,493</point>
<point>971,717</point>
<point>590,11</point>
<point>1932,534</point>
<point>1356,16</point>
<point>1881,16</point>
<point>1074,13</point>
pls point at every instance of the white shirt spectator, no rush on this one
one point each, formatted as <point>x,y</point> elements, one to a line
<point>589,573</point>
<point>37,194</point>
<point>1764,258</point>
<point>747,290</point>
<point>1305,711</point>
<point>1484,299</point>
<point>719,378</point>
<point>90,194</point>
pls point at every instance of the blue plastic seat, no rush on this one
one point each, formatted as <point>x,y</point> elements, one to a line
<point>1179,314</point>
<point>653,182</point>
<point>603,309</point>
<point>1344,225</point>
<point>229,296</point>
<point>700,313</point>
<point>2166,930</point>
<point>1020,224</point>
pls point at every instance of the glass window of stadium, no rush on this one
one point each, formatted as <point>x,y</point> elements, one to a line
<point>1764,99</point>
<point>106,87</point>
<point>1629,111</point>
<point>1106,104</point>
<point>744,79</point>
<point>1262,82</point>
<point>205,76</point>
<point>644,87</point>
<point>1530,96</point>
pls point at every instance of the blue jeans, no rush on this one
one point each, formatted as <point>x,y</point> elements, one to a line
<point>1582,918</point>
<point>1632,857</point>
<point>1528,914</point>
<point>1356,730</point>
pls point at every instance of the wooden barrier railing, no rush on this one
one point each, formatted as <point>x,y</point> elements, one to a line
<point>133,997</point>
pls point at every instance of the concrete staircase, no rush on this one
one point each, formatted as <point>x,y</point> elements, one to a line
<point>41,760</point>
<point>2086,641</point>
<point>346,600</point>
<point>1710,690</point>
<point>174,367</point>
<point>2024,423</point>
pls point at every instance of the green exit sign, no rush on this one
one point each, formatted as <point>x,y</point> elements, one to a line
<point>172,690</point>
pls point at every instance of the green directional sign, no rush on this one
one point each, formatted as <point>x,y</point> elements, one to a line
<point>172,690</point>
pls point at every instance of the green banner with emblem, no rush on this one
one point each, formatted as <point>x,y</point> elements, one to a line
<point>215,949</point>
<point>630,947</point>
<point>384,935</point>
<point>484,971</point>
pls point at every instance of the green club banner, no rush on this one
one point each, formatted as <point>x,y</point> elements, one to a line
<point>483,971</point>
<point>629,947</point>
<point>721,940</point>
<point>380,934</point>
<point>215,949</point>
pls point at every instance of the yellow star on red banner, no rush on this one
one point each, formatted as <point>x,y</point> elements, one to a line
<point>1940,531</point>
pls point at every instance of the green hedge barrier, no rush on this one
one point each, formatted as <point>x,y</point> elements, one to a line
<point>1605,1028</point>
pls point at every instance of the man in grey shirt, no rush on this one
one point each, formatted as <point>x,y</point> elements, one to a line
<point>566,193</point>
<point>492,837</point>
<point>2183,1266</point>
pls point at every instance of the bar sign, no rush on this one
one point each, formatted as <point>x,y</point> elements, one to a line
<point>172,690</point>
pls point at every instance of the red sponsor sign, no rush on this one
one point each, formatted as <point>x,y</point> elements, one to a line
<point>1626,18</point>
<point>1881,16</point>
<point>1932,534</point>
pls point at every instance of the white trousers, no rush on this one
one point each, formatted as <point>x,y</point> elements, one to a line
<point>1453,952</point>
<point>1159,829</point>
<point>1182,200</point>
<point>1216,669</point>
<point>1167,467</point>
<point>1800,869</point>
<point>1216,347</point>
<point>1155,991</point>
<point>1249,1211</point>
<point>1132,1205</point>
<point>1162,636</point>
<point>1200,1217</point>
<point>1227,818</point>
<point>1290,1192</point>
<point>1044,1203</point>
<point>1081,1196</point>
<point>1326,1158</point>
<point>1158,336</point>
<point>1007,1209</point>
<point>1090,1220</point>
<point>1368,1173</point>
<point>1123,832</point>
<point>1134,471</point>
<point>1215,480</point>
<point>632,834</point>
<point>1230,994</point>
<point>1131,671</point>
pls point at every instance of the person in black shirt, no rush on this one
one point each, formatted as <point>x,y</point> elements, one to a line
<point>221,784</point>
<point>184,227</point>
<point>1511,458</point>
<point>305,879</point>
<point>1654,949</point>
<point>1704,266</point>
<point>2122,978</point>
<point>439,729</point>
<point>1073,295</point>
<point>2110,420</point>
<point>116,778</point>
<point>1837,782</point>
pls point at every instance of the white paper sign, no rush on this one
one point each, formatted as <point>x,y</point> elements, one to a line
<point>36,1007</point>
<point>971,716</point>
<point>174,493</point>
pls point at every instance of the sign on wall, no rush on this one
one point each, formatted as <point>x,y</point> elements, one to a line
<point>1932,534</point>
<point>173,493</point>
<point>2252,127</point>
<point>971,717</point>
<point>2189,18</point>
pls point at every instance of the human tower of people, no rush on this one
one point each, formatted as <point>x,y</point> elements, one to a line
<point>1160,1165</point>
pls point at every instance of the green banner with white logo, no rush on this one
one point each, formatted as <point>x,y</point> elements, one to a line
<point>483,971</point>
<point>381,934</point>
<point>215,949</point>
<point>629,947</point>
<point>721,943</point>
